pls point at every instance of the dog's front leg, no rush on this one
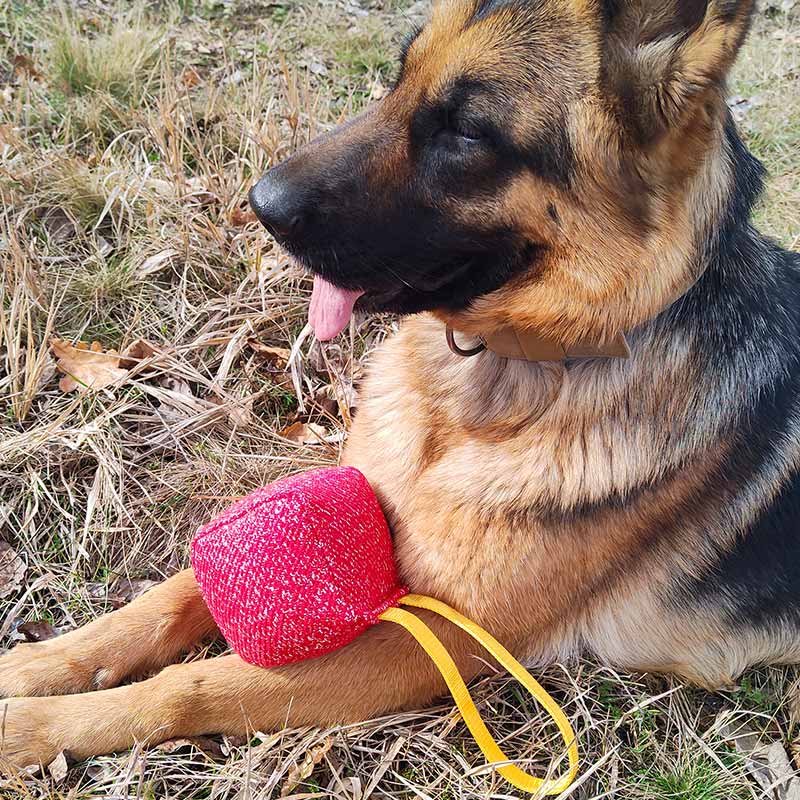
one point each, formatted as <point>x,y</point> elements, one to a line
<point>146,634</point>
<point>383,670</point>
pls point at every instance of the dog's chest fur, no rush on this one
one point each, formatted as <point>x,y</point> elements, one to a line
<point>557,505</point>
<point>496,478</point>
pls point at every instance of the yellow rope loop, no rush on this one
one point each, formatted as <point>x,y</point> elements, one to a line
<point>455,683</point>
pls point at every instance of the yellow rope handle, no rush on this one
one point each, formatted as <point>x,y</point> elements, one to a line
<point>455,683</point>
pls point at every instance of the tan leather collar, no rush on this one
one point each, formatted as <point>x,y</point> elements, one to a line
<point>523,345</point>
<point>520,344</point>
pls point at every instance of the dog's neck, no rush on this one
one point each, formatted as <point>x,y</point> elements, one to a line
<point>525,344</point>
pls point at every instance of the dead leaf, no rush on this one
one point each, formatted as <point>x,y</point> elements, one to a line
<point>203,743</point>
<point>239,412</point>
<point>136,352</point>
<point>305,433</point>
<point>121,592</point>
<point>230,743</point>
<point>12,570</point>
<point>156,263</point>
<point>190,77</point>
<point>59,226</point>
<point>38,631</point>
<point>125,590</point>
<point>24,66</point>
<point>240,217</point>
<point>272,360</point>
<point>303,770</point>
<point>86,367</point>
<point>323,398</point>
<point>766,762</point>
<point>199,193</point>
<point>59,767</point>
<point>275,356</point>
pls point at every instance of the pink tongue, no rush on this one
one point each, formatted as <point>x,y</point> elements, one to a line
<point>331,309</point>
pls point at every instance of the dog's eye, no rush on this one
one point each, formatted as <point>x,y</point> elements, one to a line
<point>467,130</point>
<point>464,129</point>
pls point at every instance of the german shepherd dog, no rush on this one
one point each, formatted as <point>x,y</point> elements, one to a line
<point>561,172</point>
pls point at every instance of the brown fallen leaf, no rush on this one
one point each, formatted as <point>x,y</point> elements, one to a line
<point>138,351</point>
<point>24,66</point>
<point>303,770</point>
<point>272,360</point>
<point>239,412</point>
<point>121,592</point>
<point>12,570</point>
<point>240,217</point>
<point>190,77</point>
<point>38,631</point>
<point>156,263</point>
<point>86,367</point>
<point>277,357</point>
<point>59,767</point>
<point>59,225</point>
<point>767,762</point>
<point>304,433</point>
<point>203,743</point>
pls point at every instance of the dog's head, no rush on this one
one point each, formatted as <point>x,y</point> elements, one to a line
<point>547,163</point>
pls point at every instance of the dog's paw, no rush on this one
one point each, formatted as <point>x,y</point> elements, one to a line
<point>45,668</point>
<point>27,734</point>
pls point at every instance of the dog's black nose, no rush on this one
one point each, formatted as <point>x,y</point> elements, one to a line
<point>278,203</point>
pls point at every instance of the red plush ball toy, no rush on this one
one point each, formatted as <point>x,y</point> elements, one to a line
<point>302,567</point>
<point>298,568</point>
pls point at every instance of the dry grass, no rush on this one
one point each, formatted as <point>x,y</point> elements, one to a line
<point>128,139</point>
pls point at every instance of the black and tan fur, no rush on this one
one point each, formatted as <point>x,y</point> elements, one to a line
<point>568,167</point>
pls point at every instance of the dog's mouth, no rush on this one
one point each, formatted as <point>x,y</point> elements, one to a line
<point>331,308</point>
<point>451,283</point>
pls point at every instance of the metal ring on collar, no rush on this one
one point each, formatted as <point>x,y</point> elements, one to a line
<point>454,348</point>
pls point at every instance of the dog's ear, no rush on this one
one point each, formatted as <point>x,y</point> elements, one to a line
<point>662,55</point>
